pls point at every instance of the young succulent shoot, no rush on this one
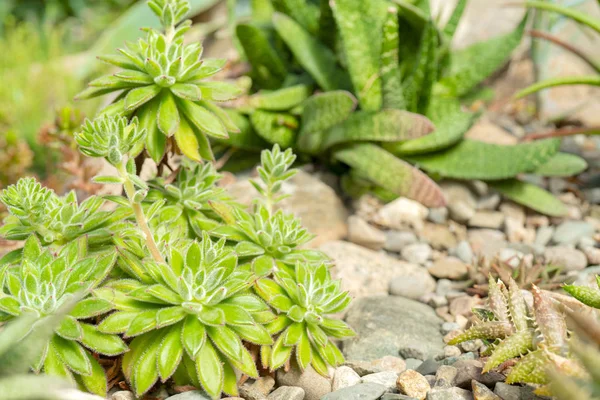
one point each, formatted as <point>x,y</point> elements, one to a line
<point>54,220</point>
<point>532,336</point>
<point>40,284</point>
<point>586,295</point>
<point>273,171</point>
<point>188,318</point>
<point>163,83</point>
<point>306,299</point>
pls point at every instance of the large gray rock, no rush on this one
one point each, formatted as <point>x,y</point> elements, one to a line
<point>310,199</point>
<point>385,325</point>
<point>363,391</point>
<point>365,272</point>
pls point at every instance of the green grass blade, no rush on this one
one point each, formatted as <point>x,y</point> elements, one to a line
<point>472,159</point>
<point>562,165</point>
<point>593,80</point>
<point>384,126</point>
<point>360,25</point>
<point>452,24</point>
<point>382,168</point>
<point>470,66</point>
<point>570,12</point>
<point>451,125</point>
<point>316,58</point>
<point>268,69</point>
<point>530,196</point>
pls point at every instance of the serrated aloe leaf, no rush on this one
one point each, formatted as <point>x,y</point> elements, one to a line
<point>530,196</point>
<point>470,66</point>
<point>593,80</point>
<point>277,128</point>
<point>419,85</point>
<point>280,100</point>
<point>451,125</point>
<point>268,68</point>
<point>530,369</point>
<point>383,126</point>
<point>381,167</point>
<point>317,59</point>
<point>562,165</point>
<point>322,111</point>
<point>391,79</point>
<point>360,25</point>
<point>471,159</point>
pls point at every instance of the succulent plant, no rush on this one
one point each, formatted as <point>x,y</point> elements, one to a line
<point>58,220</point>
<point>336,84</point>
<point>188,317</point>
<point>40,283</point>
<point>163,82</point>
<point>306,298</point>
<point>584,294</point>
<point>519,333</point>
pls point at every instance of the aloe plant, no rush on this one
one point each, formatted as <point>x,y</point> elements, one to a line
<point>345,88</point>
<point>531,337</point>
<point>586,295</point>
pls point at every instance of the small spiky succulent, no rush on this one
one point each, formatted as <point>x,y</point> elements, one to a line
<point>163,83</point>
<point>305,298</point>
<point>40,284</point>
<point>519,332</point>
<point>188,318</point>
<point>58,220</point>
<point>584,294</point>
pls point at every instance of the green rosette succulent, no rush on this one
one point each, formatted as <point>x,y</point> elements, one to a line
<point>306,298</point>
<point>54,219</point>
<point>188,319</point>
<point>163,83</point>
<point>40,284</point>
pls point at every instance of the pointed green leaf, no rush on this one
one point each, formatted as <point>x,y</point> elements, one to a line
<point>203,119</point>
<point>280,100</point>
<point>72,354</point>
<point>275,128</point>
<point>193,335</point>
<point>170,353</point>
<point>139,96</point>
<point>210,370</point>
<point>102,343</point>
<point>91,307</point>
<point>145,372</point>
<point>70,329</point>
<point>167,118</point>
<point>562,165</point>
<point>95,382</point>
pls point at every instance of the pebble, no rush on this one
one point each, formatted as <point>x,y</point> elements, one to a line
<point>401,213</point>
<point>544,235</point>
<point>463,305</point>
<point>259,389</point>
<point>513,210</point>
<point>362,391</point>
<point>489,202</point>
<point>412,286</point>
<point>413,363</point>
<point>487,219</point>
<point>451,351</point>
<point>486,242</point>
<point>365,272</point>
<point>396,396</point>
<point>191,395</point>
<point>438,215</point>
<point>482,392</point>
<point>440,237</point>
<point>592,254</point>
<point>445,376</point>
<point>471,345</point>
<point>395,241</point>
<point>385,378</point>
<point>568,258</point>
<point>314,384</point>
<point>416,253</point>
<point>472,369</point>
<point>448,327</point>
<point>586,241</point>
<point>428,367</point>
<point>123,395</point>
<point>569,232</point>
<point>461,201</point>
<point>464,252</point>
<point>449,394</point>
<point>507,392</point>
<point>449,267</point>
<point>434,300</point>
<point>344,377</point>
<point>287,393</point>
<point>364,234</point>
<point>412,383</point>
<point>517,233</point>
<point>387,363</point>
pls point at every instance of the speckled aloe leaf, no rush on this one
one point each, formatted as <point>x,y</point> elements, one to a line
<point>470,66</point>
<point>451,124</point>
<point>381,167</point>
<point>419,85</point>
<point>530,369</point>
<point>513,346</point>
<point>268,69</point>
<point>391,75</point>
<point>321,112</point>
<point>360,25</point>
<point>318,60</point>
<point>383,126</point>
<point>562,165</point>
<point>530,196</point>
<point>246,139</point>
<point>471,159</point>
<point>303,11</point>
<point>488,330</point>
<point>584,294</point>
<point>327,29</point>
<point>280,100</point>
<point>276,128</point>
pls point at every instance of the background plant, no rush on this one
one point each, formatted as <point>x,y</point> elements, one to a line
<point>374,86</point>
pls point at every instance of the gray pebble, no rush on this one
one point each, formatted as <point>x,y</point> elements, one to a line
<point>287,393</point>
<point>429,367</point>
<point>464,252</point>
<point>362,391</point>
<point>438,215</point>
<point>413,363</point>
<point>395,241</point>
<point>386,378</point>
<point>417,253</point>
<point>445,376</point>
<point>192,395</point>
<point>449,394</point>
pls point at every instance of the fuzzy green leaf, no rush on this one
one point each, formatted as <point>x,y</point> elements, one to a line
<point>136,97</point>
<point>275,128</point>
<point>210,370</point>
<point>530,196</point>
<point>167,118</point>
<point>203,119</point>
<point>170,353</point>
<point>562,165</point>
<point>72,354</point>
<point>102,343</point>
<point>96,381</point>
<point>193,335</point>
<point>280,100</point>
